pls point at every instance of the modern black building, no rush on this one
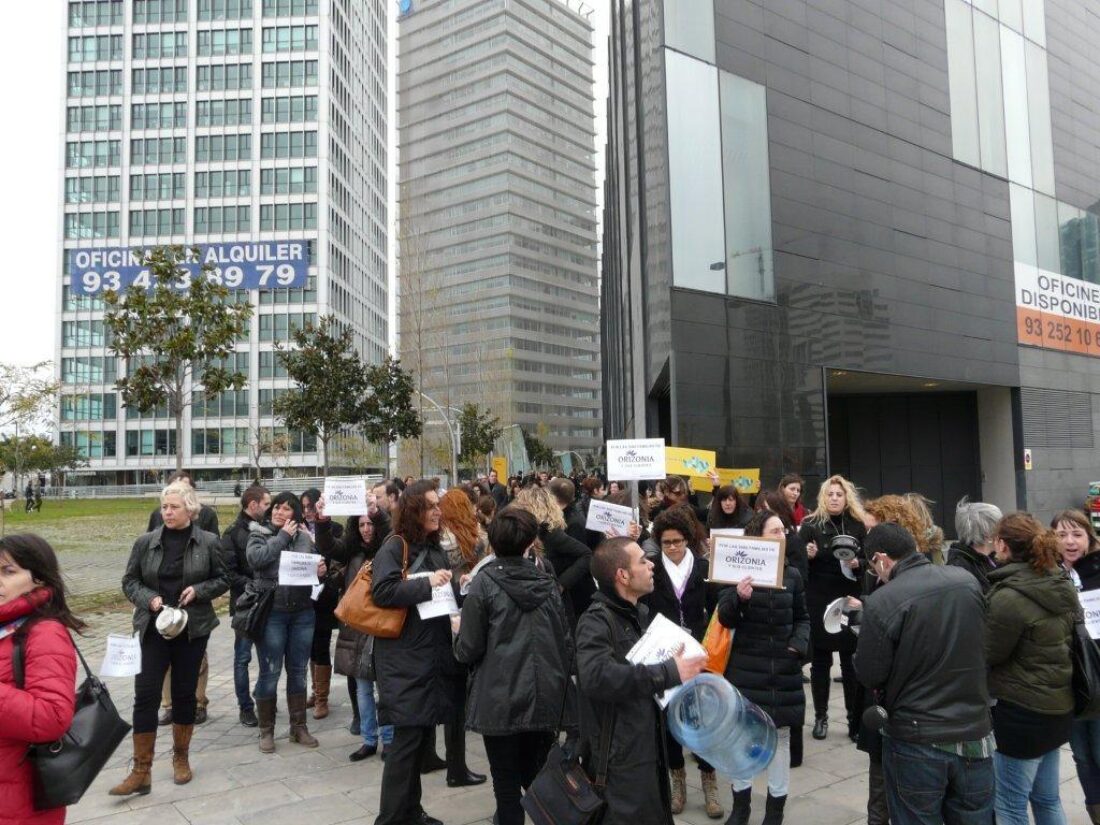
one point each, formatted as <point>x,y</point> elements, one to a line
<point>859,236</point>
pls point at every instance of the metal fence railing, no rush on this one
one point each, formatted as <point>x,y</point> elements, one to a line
<point>207,489</point>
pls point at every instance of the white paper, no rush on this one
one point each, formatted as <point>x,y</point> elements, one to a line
<point>315,591</point>
<point>727,532</point>
<point>659,643</point>
<point>635,459</point>
<point>122,656</point>
<point>735,558</point>
<point>1090,604</point>
<point>442,602</point>
<point>298,569</point>
<point>603,517</point>
<point>345,496</point>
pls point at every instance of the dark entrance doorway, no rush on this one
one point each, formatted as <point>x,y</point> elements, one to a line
<point>909,442</point>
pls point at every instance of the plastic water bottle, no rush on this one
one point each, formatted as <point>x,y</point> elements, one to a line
<point>711,718</point>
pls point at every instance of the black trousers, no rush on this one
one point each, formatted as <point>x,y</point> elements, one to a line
<point>454,729</point>
<point>320,652</point>
<point>158,654</point>
<point>399,802</point>
<point>820,666</point>
<point>514,761</point>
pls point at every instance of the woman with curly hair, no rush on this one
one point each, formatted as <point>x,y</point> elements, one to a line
<point>835,525</point>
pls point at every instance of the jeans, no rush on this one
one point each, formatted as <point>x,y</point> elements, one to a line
<point>368,716</point>
<point>287,637</point>
<point>514,761</point>
<point>925,785</point>
<point>1085,742</point>
<point>242,658</point>
<point>184,656</point>
<point>1020,781</point>
<point>779,769</point>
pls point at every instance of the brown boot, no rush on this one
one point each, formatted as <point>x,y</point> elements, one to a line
<point>679,789</point>
<point>322,676</point>
<point>140,779</point>
<point>299,733</point>
<point>265,713</point>
<point>313,685</point>
<point>710,794</point>
<point>181,746</point>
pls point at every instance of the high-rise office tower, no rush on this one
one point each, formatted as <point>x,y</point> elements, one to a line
<point>496,237</point>
<point>196,121</point>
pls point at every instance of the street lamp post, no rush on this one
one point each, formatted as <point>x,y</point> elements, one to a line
<point>453,430</point>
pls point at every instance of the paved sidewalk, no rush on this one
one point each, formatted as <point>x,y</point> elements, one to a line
<point>234,783</point>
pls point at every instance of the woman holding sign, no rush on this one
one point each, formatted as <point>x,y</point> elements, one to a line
<point>288,634</point>
<point>771,635</point>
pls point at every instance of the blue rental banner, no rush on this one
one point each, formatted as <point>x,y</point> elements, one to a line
<point>237,265</point>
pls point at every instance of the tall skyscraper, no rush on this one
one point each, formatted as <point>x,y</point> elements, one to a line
<point>496,235</point>
<point>195,121</point>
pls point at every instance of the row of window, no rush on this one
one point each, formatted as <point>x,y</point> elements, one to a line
<point>96,13</point>
<point>110,12</point>
<point>218,183</point>
<point>91,225</point>
<point>205,441</point>
<point>213,219</point>
<point>160,11</point>
<point>169,115</point>
<point>92,189</point>
<point>170,44</point>
<point>93,118</point>
<point>283,74</point>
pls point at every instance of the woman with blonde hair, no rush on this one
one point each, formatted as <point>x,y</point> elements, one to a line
<point>568,557</point>
<point>833,534</point>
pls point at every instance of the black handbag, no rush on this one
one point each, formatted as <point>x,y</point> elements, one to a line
<point>253,609</point>
<point>63,770</point>
<point>1086,673</point>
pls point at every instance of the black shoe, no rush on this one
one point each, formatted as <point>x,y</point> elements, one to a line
<point>424,819</point>
<point>354,727</point>
<point>821,727</point>
<point>166,717</point>
<point>363,752</point>
<point>839,680</point>
<point>469,778</point>
<point>432,763</point>
<point>805,679</point>
<point>200,716</point>
<point>853,731</point>
<point>248,718</point>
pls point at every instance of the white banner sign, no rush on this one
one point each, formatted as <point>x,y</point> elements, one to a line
<point>345,496</point>
<point>727,532</point>
<point>661,640</point>
<point>442,602</point>
<point>604,517</point>
<point>297,569</point>
<point>1090,604</point>
<point>636,459</point>
<point>736,558</point>
<point>122,657</point>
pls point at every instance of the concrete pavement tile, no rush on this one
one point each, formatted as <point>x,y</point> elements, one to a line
<point>213,809</point>
<point>165,790</point>
<point>321,810</point>
<point>472,806</point>
<point>368,796</point>
<point>96,803</point>
<point>807,779</point>
<point>155,815</point>
<point>343,779</point>
<point>289,760</point>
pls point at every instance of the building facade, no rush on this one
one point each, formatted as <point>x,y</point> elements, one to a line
<point>496,236</point>
<point>859,236</point>
<point>194,121</point>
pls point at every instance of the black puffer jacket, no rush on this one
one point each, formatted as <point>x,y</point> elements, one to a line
<point>967,558</point>
<point>570,560</point>
<point>637,791</point>
<point>826,582</point>
<point>766,629</point>
<point>692,610</point>
<point>413,669</point>
<point>235,555</point>
<point>514,638</point>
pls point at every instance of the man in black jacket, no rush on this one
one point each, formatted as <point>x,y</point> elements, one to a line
<point>254,503</point>
<point>617,693</point>
<point>922,646</point>
<point>497,490</point>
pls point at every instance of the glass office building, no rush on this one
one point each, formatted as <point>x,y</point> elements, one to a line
<point>859,237</point>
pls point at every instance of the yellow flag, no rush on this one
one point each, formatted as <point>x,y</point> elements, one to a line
<point>500,464</point>
<point>747,482</point>
<point>687,461</point>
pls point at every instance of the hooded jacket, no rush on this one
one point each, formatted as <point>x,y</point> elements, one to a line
<point>235,555</point>
<point>515,639</point>
<point>1029,620</point>
<point>266,544</point>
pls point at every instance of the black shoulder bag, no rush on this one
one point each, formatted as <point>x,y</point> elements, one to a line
<point>562,793</point>
<point>63,770</point>
<point>253,609</point>
<point>1086,673</point>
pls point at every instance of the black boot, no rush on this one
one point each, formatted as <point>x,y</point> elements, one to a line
<point>431,761</point>
<point>796,746</point>
<point>742,807</point>
<point>773,813</point>
<point>821,727</point>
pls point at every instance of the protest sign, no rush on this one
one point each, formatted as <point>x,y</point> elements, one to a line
<point>688,461</point>
<point>636,459</point>
<point>604,517</point>
<point>747,482</point>
<point>122,656</point>
<point>296,569</point>
<point>661,641</point>
<point>735,558</point>
<point>727,532</point>
<point>345,496</point>
<point>1090,604</point>
<point>442,602</point>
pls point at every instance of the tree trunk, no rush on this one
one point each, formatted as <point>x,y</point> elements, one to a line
<point>178,403</point>
<point>324,457</point>
<point>386,467</point>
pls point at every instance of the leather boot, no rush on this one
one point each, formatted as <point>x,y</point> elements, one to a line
<point>679,789</point>
<point>797,746</point>
<point>312,685</point>
<point>742,807</point>
<point>1094,813</point>
<point>296,706</point>
<point>773,812</point>
<point>821,727</point>
<point>710,794</point>
<point>140,779</point>
<point>322,677</point>
<point>265,712</point>
<point>181,747</point>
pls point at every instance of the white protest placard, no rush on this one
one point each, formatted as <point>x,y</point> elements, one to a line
<point>442,602</point>
<point>345,496</point>
<point>635,459</point>
<point>603,517</point>
<point>1090,604</point>
<point>727,532</point>
<point>122,657</point>
<point>298,569</point>
<point>661,640</point>
<point>732,559</point>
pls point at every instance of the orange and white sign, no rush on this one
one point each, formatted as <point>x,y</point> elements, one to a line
<point>1055,312</point>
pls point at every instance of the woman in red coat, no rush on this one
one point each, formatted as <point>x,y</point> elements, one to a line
<point>32,600</point>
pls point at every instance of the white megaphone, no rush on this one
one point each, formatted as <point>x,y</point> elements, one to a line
<point>836,617</point>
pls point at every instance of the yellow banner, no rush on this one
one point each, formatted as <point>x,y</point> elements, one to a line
<point>500,464</point>
<point>687,461</point>
<point>747,482</point>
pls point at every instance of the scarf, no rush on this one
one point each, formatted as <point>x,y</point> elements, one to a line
<point>679,573</point>
<point>16,612</point>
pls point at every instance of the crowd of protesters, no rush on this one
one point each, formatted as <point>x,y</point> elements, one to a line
<point>955,660</point>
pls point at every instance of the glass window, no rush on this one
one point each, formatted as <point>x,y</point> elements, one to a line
<point>689,27</point>
<point>991,122</point>
<point>988,6</point>
<point>962,82</point>
<point>1022,205</point>
<point>1047,253</point>
<point>1038,107</point>
<point>695,174</point>
<point>1017,133</point>
<point>747,186</point>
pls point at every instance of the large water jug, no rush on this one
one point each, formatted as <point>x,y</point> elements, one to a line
<point>711,718</point>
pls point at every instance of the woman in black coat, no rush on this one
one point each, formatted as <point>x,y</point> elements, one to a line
<point>681,594</point>
<point>320,654</point>
<point>771,635</point>
<point>727,508</point>
<point>839,513</point>
<point>412,671</point>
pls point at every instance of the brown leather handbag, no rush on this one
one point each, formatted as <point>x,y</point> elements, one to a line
<point>359,612</point>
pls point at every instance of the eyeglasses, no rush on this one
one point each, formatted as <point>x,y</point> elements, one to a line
<point>673,542</point>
